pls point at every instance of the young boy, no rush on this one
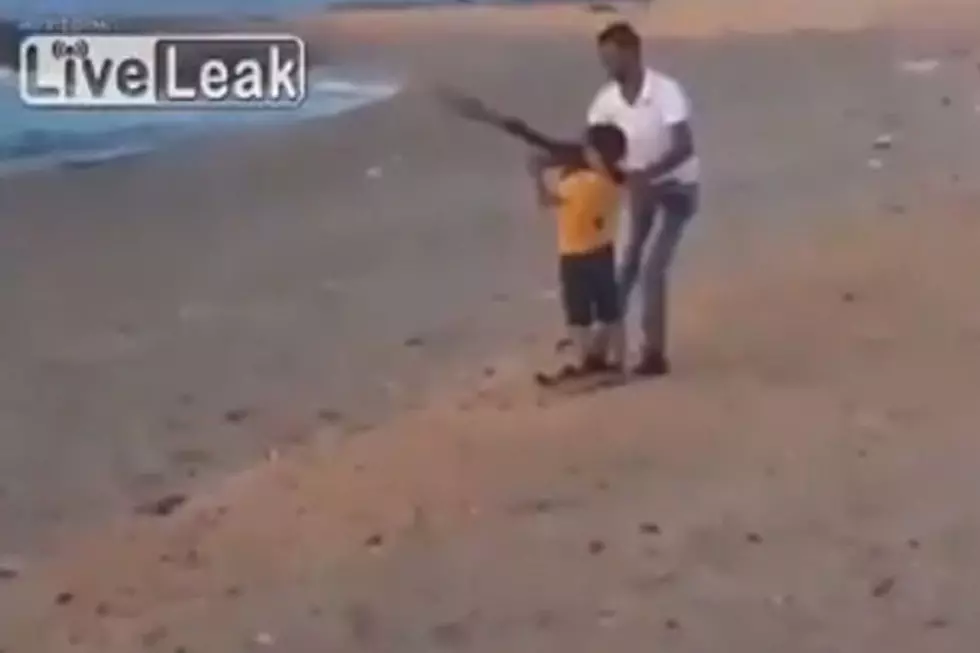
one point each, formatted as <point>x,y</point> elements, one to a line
<point>581,181</point>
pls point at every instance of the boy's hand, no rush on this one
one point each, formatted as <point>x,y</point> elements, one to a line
<point>538,165</point>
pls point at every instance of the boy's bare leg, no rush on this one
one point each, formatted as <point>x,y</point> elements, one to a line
<point>583,342</point>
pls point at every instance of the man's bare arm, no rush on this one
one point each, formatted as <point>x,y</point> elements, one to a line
<point>682,149</point>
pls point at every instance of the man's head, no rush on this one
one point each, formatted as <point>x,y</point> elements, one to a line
<point>619,50</point>
<point>605,146</point>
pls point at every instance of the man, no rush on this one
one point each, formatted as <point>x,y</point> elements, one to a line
<point>662,169</point>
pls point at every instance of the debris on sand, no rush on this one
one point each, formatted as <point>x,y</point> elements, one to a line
<point>649,528</point>
<point>163,506</point>
<point>672,624</point>
<point>753,538</point>
<point>374,172</point>
<point>264,639</point>
<point>876,164</point>
<point>884,142</point>
<point>563,344</point>
<point>848,297</point>
<point>937,623</point>
<point>596,547</point>
<point>374,542</point>
<point>237,415</point>
<point>919,66</point>
<point>330,416</point>
<point>64,598</point>
<point>10,568</point>
<point>883,587</point>
<point>914,543</point>
<point>414,341</point>
<point>946,101</point>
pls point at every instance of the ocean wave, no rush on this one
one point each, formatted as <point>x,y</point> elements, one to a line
<point>31,138</point>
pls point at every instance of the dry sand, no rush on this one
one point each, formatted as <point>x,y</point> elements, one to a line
<point>806,481</point>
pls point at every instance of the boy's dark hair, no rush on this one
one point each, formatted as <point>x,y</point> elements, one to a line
<point>609,141</point>
<point>620,34</point>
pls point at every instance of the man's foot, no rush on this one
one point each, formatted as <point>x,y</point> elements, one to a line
<point>653,363</point>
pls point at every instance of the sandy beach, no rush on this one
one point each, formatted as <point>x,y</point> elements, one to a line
<point>322,336</point>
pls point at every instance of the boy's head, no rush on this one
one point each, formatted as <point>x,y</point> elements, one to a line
<point>605,146</point>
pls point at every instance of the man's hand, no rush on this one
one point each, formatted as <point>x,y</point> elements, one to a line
<point>637,183</point>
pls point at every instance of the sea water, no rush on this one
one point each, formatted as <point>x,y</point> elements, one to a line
<point>31,137</point>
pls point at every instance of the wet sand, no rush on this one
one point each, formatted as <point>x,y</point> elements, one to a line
<point>357,304</point>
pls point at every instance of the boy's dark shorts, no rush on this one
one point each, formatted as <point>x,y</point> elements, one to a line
<point>588,287</point>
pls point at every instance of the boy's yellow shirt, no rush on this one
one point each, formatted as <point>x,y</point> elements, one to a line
<point>589,203</point>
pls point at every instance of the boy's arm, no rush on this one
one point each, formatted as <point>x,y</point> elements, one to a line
<point>538,166</point>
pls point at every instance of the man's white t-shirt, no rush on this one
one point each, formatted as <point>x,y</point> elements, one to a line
<point>660,104</point>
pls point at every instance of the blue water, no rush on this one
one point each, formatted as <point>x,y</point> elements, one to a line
<point>32,138</point>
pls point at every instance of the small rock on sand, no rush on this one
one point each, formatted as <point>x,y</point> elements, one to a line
<point>163,506</point>
<point>236,415</point>
<point>64,598</point>
<point>649,528</point>
<point>596,547</point>
<point>883,587</point>
<point>884,142</point>
<point>331,416</point>
<point>10,567</point>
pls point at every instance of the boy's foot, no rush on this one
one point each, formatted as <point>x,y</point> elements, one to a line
<point>599,365</point>
<point>652,364</point>
<point>566,373</point>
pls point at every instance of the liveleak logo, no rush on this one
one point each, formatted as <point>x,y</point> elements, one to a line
<point>163,71</point>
